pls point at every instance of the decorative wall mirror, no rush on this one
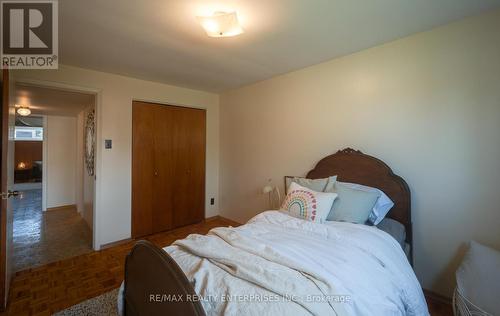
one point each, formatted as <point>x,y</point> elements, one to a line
<point>90,142</point>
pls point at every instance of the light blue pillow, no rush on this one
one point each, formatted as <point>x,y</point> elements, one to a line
<point>352,205</point>
<point>381,207</point>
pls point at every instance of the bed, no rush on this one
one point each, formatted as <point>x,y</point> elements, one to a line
<point>281,265</point>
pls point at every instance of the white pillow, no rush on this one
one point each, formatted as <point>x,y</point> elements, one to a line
<point>381,207</point>
<point>305,203</point>
<point>318,185</point>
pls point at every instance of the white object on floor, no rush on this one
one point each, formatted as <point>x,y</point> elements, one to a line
<point>478,282</point>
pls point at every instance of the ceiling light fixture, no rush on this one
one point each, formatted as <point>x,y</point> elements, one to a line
<point>23,110</point>
<point>221,24</point>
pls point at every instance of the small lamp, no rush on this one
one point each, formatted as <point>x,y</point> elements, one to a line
<point>272,191</point>
<point>267,189</point>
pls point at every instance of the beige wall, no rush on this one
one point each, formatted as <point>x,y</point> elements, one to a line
<point>60,173</point>
<point>114,121</point>
<point>428,105</point>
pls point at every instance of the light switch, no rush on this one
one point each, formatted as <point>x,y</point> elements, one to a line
<point>107,144</point>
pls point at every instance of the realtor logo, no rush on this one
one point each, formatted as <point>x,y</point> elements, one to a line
<point>29,34</point>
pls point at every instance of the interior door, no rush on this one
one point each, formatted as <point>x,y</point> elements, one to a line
<point>7,121</point>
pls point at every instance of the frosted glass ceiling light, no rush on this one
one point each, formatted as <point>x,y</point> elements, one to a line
<point>23,110</point>
<point>221,24</point>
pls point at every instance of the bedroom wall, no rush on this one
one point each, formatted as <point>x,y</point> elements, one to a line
<point>60,135</point>
<point>428,105</point>
<point>114,121</point>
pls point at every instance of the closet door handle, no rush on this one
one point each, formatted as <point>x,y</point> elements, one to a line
<point>156,173</point>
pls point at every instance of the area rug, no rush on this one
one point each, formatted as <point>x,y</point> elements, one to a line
<point>104,304</point>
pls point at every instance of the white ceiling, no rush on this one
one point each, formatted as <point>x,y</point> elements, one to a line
<point>48,101</point>
<point>160,40</point>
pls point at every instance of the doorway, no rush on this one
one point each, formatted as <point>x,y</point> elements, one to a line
<point>53,219</point>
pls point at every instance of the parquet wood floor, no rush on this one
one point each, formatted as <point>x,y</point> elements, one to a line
<point>59,285</point>
<point>56,286</point>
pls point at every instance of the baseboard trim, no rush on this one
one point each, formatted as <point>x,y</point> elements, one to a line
<point>124,241</point>
<point>218,217</point>
<point>212,218</point>
<point>437,297</point>
<point>116,243</point>
<point>62,207</point>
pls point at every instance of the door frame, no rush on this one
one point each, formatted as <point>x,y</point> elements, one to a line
<point>96,245</point>
<point>45,151</point>
<point>4,134</point>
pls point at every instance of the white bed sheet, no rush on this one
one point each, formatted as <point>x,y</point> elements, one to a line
<point>362,269</point>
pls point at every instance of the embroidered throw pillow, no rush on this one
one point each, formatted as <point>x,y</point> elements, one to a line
<point>305,203</point>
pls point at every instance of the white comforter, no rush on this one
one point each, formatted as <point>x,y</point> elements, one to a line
<point>280,265</point>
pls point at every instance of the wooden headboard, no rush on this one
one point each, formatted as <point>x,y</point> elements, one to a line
<point>353,166</point>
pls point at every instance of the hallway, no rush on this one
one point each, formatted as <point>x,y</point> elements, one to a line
<point>43,237</point>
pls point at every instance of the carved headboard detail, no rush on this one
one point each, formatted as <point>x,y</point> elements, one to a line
<point>353,166</point>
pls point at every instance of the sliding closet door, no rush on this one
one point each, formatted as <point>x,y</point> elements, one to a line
<point>169,163</point>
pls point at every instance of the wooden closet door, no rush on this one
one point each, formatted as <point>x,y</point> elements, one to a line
<point>189,193</point>
<point>168,167</point>
<point>165,164</point>
<point>143,167</point>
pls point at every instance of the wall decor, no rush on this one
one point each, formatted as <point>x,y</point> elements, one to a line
<point>90,142</point>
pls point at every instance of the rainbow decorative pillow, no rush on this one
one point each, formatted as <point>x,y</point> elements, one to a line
<point>305,203</point>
